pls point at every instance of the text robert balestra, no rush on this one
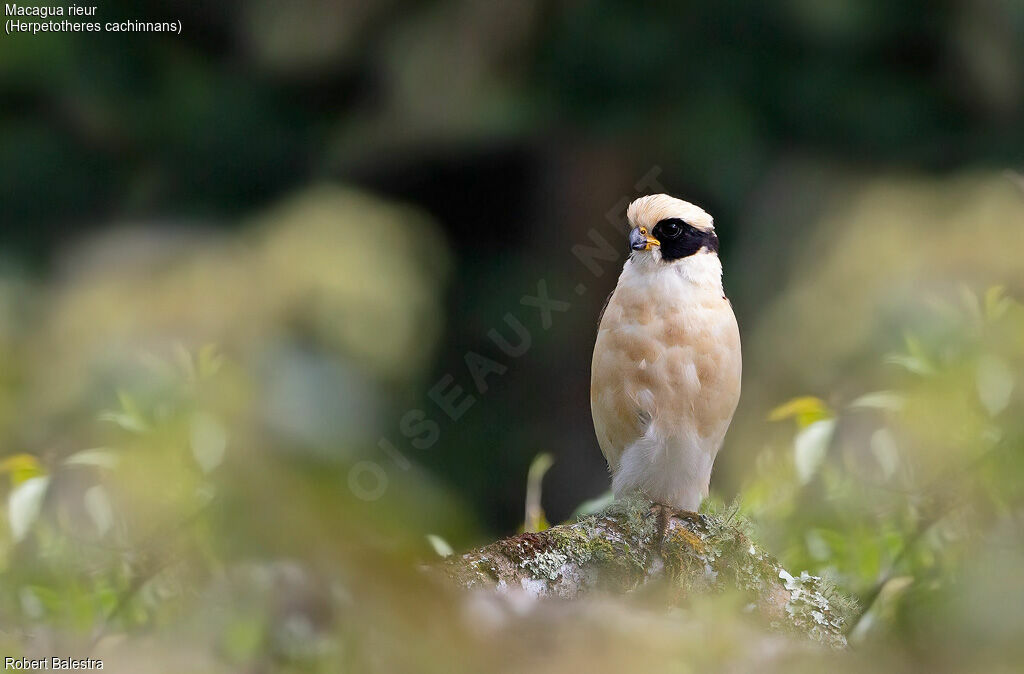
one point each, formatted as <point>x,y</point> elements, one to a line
<point>54,663</point>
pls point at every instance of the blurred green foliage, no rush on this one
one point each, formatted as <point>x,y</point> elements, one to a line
<point>911,486</point>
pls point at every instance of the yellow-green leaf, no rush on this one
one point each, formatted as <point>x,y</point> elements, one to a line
<point>996,302</point>
<point>805,410</point>
<point>21,467</point>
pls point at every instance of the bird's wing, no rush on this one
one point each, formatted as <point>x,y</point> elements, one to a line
<point>621,399</point>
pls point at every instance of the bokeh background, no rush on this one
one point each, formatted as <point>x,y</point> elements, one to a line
<point>245,269</point>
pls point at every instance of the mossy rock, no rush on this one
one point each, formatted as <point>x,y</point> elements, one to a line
<point>634,545</point>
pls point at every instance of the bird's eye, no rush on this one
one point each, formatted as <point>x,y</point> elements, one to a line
<point>671,230</point>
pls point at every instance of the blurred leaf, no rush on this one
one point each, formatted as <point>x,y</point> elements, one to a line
<point>916,347</point>
<point>995,383</point>
<point>535,519</point>
<point>910,363</point>
<point>594,505</point>
<point>883,447</point>
<point>209,441</point>
<point>996,303</point>
<point>129,417</point>
<point>890,401</point>
<point>883,610</point>
<point>915,360</point>
<point>440,546</point>
<point>100,457</point>
<point>21,467</point>
<point>24,503</point>
<point>125,421</point>
<point>97,505</point>
<point>209,361</point>
<point>805,409</point>
<point>185,362</point>
<point>971,303</point>
<point>811,446</point>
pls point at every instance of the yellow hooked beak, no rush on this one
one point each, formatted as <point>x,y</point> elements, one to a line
<point>640,239</point>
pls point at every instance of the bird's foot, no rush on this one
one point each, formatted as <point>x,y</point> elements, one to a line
<point>691,515</point>
<point>664,514</point>
<point>661,523</point>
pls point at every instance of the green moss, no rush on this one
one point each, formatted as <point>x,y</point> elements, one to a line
<point>632,516</point>
<point>575,544</point>
<point>486,569</point>
<point>602,551</point>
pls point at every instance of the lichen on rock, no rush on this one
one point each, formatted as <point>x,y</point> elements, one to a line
<point>633,545</point>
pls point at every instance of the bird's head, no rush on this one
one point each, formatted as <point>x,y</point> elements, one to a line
<point>669,229</point>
